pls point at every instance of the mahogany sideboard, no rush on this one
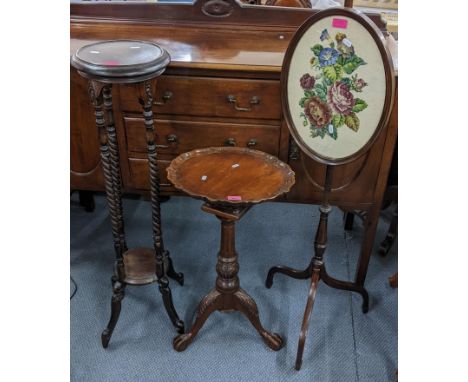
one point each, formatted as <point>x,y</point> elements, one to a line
<point>222,87</point>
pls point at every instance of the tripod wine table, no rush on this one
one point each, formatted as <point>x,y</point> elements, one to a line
<point>230,180</point>
<point>138,62</point>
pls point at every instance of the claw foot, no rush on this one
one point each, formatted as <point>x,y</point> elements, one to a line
<point>273,340</point>
<point>181,342</point>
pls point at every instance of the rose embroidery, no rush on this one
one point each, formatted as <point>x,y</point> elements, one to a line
<point>328,100</point>
<point>340,99</point>
<point>307,81</point>
<point>317,111</point>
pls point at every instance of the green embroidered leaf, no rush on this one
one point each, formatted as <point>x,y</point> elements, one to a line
<point>353,63</point>
<point>302,101</point>
<point>341,60</point>
<point>332,45</point>
<point>346,81</point>
<point>321,91</point>
<point>314,132</point>
<point>338,120</point>
<point>317,48</point>
<point>330,73</point>
<point>309,93</point>
<point>360,105</point>
<point>334,135</point>
<point>352,121</point>
<point>304,123</point>
<point>339,71</point>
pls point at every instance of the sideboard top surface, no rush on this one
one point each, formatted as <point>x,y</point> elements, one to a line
<point>249,39</point>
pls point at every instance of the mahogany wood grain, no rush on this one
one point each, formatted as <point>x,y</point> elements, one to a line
<point>214,174</point>
<point>208,97</point>
<point>247,45</point>
<point>218,173</point>
<point>175,137</point>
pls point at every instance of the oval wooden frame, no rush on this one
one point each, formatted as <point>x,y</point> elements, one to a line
<point>379,39</point>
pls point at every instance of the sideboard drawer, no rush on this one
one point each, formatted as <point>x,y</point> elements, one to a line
<point>139,174</point>
<point>214,97</point>
<point>176,137</point>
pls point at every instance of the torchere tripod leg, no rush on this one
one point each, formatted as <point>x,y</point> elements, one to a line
<point>116,305</point>
<point>170,271</point>
<point>245,304</point>
<point>299,275</point>
<point>169,305</point>
<point>211,302</point>
<point>307,314</point>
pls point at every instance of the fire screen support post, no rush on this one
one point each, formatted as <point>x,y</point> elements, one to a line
<point>134,62</point>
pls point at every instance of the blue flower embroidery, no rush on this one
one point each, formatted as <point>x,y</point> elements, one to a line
<point>324,35</point>
<point>328,56</point>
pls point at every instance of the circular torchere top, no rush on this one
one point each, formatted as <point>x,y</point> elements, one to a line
<point>337,85</point>
<point>230,175</point>
<point>120,61</point>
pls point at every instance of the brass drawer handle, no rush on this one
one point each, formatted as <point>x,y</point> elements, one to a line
<point>171,139</point>
<point>165,98</point>
<point>253,101</point>
<point>230,142</point>
<point>252,143</point>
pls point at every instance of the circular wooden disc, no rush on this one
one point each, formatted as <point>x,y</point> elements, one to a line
<point>230,175</point>
<point>121,60</point>
<point>337,85</point>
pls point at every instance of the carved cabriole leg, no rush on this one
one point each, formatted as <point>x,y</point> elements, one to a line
<point>246,304</point>
<point>147,102</point>
<point>210,303</point>
<point>227,296</point>
<point>96,94</point>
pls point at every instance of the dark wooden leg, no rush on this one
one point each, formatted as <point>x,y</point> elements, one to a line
<point>170,271</point>
<point>227,296</point>
<point>147,102</point>
<point>391,235</point>
<point>305,320</point>
<point>370,227</point>
<point>320,244</point>
<point>393,280</point>
<point>246,304</point>
<point>348,218</point>
<point>299,275</point>
<point>101,94</point>
<point>87,200</point>
<point>210,303</point>
<point>118,294</point>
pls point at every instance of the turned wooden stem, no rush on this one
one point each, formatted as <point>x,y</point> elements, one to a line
<point>147,103</point>
<point>227,266</point>
<point>320,242</point>
<point>108,159</point>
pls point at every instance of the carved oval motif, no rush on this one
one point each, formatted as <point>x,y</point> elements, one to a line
<point>217,8</point>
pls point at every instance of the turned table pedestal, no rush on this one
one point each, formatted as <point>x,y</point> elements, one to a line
<point>231,180</point>
<point>116,62</point>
